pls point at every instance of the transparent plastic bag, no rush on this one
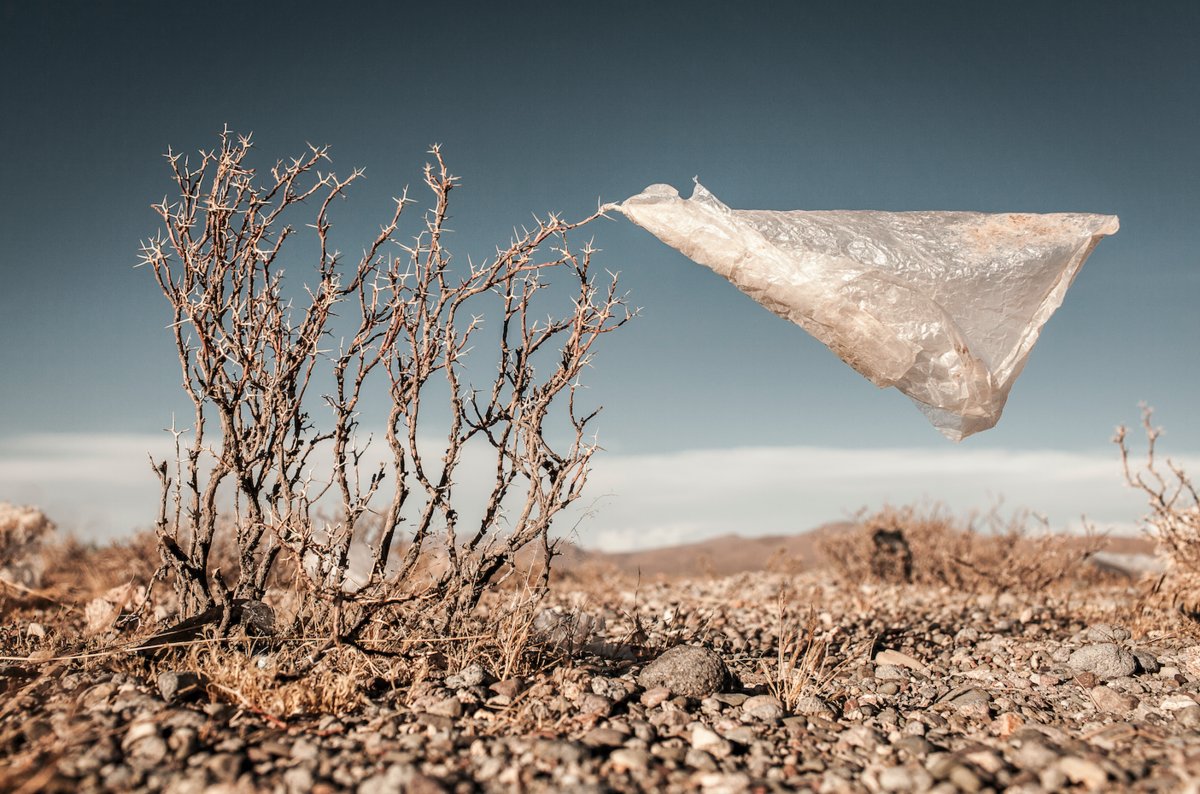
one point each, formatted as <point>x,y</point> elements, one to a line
<point>944,306</point>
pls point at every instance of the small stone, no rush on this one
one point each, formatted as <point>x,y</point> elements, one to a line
<point>119,778</point>
<point>1188,717</point>
<point>423,784</point>
<point>1033,755</point>
<point>742,734</point>
<point>707,740</point>
<point>763,707</point>
<point>144,747</point>
<point>898,659</point>
<point>625,759</point>
<point>687,670</point>
<point>1104,632</point>
<point>392,780</point>
<point>811,705</point>
<point>1176,702</point>
<point>1083,771</point>
<point>615,689</point>
<point>901,778</point>
<point>304,751</point>
<point>36,630</point>
<point>298,780</point>
<point>1106,660</point>
<point>724,783</point>
<point>986,760</point>
<point>971,697</point>
<point>973,703</point>
<point>449,707</point>
<point>471,675</point>
<point>734,699</point>
<point>559,752</point>
<point>887,672</point>
<point>178,687</point>
<point>700,761</point>
<point>1146,662</point>
<point>1108,699</point>
<point>652,698</point>
<point>916,746</point>
<point>225,767</point>
<point>597,705</point>
<point>604,737</point>
<point>1189,658</point>
<point>1007,724</point>
<point>509,687</point>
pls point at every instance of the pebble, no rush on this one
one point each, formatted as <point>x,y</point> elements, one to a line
<point>1105,633</point>
<point>1176,702</point>
<point>604,737</point>
<point>448,707</point>
<point>763,707</point>
<point>1147,662</point>
<point>1189,659</point>
<point>709,741</point>
<point>1007,724</point>
<point>471,675</point>
<point>1084,772</point>
<point>176,687</point>
<point>655,697</point>
<point>625,759</point>
<point>1188,717</point>
<point>1108,699</point>
<point>509,687</point>
<point>898,659</point>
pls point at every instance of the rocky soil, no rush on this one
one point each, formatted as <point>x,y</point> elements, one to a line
<point>669,687</point>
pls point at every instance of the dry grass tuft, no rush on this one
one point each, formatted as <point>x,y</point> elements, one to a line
<point>801,667</point>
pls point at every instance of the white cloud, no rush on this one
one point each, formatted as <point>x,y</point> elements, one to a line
<point>100,485</point>
<point>780,490</point>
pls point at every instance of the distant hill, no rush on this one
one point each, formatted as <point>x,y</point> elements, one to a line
<point>729,554</point>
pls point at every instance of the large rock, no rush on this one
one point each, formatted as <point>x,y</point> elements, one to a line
<point>687,670</point>
<point>1105,659</point>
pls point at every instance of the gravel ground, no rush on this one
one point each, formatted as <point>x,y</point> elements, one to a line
<point>676,687</point>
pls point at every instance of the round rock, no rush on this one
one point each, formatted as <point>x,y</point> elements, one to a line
<point>1105,659</point>
<point>687,670</point>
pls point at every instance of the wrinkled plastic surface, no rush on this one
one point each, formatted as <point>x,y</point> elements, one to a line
<point>944,306</point>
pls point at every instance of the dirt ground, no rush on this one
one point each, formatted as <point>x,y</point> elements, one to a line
<point>777,680</point>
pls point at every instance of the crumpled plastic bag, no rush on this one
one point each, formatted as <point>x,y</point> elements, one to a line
<point>944,306</point>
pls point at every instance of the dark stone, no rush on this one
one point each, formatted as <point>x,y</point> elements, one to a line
<point>178,687</point>
<point>891,557</point>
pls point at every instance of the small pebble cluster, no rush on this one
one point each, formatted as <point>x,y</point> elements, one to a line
<point>921,690</point>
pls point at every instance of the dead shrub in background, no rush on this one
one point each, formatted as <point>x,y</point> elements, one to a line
<point>1174,519</point>
<point>261,361</point>
<point>981,553</point>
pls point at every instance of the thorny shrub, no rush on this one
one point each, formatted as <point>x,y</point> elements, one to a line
<point>279,374</point>
<point>987,553</point>
<point>1174,519</point>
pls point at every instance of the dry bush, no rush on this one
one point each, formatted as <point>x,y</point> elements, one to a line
<point>1174,519</point>
<point>979,554</point>
<point>262,360</point>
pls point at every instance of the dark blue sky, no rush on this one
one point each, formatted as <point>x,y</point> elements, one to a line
<point>998,107</point>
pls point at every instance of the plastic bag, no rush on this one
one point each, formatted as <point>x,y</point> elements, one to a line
<point>944,306</point>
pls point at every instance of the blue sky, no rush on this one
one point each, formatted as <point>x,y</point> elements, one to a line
<point>733,419</point>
